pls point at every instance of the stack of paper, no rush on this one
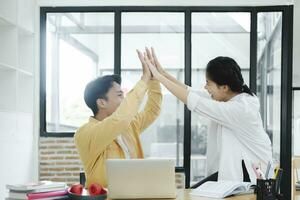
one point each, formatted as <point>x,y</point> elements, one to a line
<point>298,181</point>
<point>43,190</point>
<point>298,185</point>
<point>221,189</point>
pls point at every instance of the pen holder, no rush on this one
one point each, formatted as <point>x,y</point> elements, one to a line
<point>266,189</point>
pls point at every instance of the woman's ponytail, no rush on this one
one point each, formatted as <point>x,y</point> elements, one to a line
<point>247,90</point>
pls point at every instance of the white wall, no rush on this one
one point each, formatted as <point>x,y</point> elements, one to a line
<point>18,127</point>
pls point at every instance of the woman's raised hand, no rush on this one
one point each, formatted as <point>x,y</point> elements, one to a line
<point>157,63</point>
<point>155,73</point>
<point>148,61</point>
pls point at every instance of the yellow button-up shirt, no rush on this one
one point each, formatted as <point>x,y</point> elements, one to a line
<point>96,140</point>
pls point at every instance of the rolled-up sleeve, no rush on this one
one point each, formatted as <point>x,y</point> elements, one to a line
<point>226,113</point>
<point>192,100</point>
<point>200,92</point>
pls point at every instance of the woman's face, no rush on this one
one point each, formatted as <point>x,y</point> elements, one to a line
<point>218,93</point>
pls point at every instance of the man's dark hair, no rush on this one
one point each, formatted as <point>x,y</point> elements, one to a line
<point>98,88</point>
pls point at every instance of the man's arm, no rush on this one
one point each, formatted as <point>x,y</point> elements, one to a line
<point>152,108</point>
<point>107,130</point>
<point>104,132</point>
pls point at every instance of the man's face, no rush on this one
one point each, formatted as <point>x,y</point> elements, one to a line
<point>114,97</point>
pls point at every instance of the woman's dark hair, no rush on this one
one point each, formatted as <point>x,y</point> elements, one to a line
<point>98,88</point>
<point>225,71</point>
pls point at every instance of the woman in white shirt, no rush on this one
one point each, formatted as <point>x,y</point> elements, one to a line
<point>236,137</point>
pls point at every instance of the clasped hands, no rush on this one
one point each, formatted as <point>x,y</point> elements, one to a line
<point>152,68</point>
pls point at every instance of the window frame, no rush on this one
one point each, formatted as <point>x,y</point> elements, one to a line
<point>286,69</point>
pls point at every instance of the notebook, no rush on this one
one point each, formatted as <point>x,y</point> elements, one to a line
<point>50,198</point>
<point>37,187</point>
<point>298,180</point>
<point>40,195</point>
<point>222,189</point>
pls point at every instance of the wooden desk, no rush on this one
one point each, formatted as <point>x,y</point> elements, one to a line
<point>297,196</point>
<point>184,195</point>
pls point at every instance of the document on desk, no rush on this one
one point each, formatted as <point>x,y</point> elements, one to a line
<point>298,180</point>
<point>221,189</point>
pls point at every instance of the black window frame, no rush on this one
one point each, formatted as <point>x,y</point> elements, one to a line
<point>286,69</point>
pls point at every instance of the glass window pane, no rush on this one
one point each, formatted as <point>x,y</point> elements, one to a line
<point>214,34</point>
<point>296,123</point>
<point>269,40</point>
<point>164,31</point>
<point>79,47</point>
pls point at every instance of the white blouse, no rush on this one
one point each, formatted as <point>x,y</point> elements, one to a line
<point>235,133</point>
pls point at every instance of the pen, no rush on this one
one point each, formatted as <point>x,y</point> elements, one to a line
<point>268,169</point>
<point>278,180</point>
<point>259,174</point>
<point>276,172</point>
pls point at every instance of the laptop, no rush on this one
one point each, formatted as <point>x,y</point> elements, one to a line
<point>141,178</point>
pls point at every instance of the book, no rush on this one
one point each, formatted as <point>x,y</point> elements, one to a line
<point>37,186</point>
<point>50,198</point>
<point>222,189</point>
<point>39,195</point>
<point>32,196</point>
<point>23,194</point>
<point>298,180</point>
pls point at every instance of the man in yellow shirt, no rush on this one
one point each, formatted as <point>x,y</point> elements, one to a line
<point>114,130</point>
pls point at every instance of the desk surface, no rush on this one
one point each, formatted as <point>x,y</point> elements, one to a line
<point>184,195</point>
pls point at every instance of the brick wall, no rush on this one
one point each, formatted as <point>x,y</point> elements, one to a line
<point>59,160</point>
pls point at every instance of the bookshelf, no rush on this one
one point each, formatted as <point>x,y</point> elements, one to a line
<point>17,55</point>
<point>17,91</point>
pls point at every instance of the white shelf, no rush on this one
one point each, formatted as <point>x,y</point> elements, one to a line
<point>26,15</point>
<point>25,95</point>
<point>7,89</point>
<point>26,53</point>
<point>24,125</point>
<point>8,121</point>
<point>6,22</point>
<point>8,12</point>
<point>4,66</point>
<point>17,89</point>
<point>25,31</point>
<point>8,45</point>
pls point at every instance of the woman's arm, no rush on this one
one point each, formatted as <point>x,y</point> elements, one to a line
<point>226,113</point>
<point>180,92</point>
